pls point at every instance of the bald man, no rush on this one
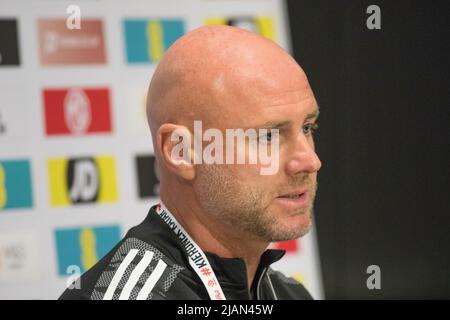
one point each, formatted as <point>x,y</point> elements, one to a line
<point>219,210</point>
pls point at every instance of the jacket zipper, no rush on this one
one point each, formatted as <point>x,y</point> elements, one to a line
<point>258,286</point>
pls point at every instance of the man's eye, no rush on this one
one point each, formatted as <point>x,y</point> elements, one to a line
<point>310,128</point>
<point>266,138</point>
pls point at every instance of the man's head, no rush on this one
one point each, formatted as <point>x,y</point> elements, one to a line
<point>229,78</point>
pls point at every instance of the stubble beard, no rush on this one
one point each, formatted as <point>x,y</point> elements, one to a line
<point>235,205</point>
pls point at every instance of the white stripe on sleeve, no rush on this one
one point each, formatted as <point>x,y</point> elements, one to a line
<point>152,280</point>
<point>135,275</point>
<point>119,274</point>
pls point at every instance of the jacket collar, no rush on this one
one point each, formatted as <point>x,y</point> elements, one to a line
<point>229,271</point>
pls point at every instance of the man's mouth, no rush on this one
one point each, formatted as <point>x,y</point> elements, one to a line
<point>294,199</point>
<point>292,196</point>
<point>294,193</point>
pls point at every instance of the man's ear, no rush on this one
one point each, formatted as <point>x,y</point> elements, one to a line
<point>174,143</point>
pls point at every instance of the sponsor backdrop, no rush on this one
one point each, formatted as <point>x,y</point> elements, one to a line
<point>76,161</point>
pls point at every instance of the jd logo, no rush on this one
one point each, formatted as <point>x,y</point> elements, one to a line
<point>83,180</point>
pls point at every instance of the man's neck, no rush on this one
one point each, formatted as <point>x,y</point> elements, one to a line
<point>219,239</point>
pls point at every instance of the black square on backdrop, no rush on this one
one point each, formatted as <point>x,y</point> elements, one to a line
<point>9,43</point>
<point>148,180</point>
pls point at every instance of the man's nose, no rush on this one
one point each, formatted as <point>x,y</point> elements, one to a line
<point>303,157</point>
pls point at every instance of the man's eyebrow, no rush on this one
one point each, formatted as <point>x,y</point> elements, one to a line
<point>285,124</point>
<point>313,115</point>
<point>274,125</point>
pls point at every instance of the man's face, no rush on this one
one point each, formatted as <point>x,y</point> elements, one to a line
<point>273,207</point>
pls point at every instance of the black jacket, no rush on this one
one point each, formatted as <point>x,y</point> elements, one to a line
<point>169,271</point>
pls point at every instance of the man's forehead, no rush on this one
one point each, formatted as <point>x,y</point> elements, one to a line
<point>265,89</point>
<point>287,97</point>
<point>252,73</point>
<point>287,102</point>
<point>269,115</point>
<point>292,113</point>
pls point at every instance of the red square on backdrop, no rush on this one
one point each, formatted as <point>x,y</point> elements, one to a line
<point>77,111</point>
<point>291,246</point>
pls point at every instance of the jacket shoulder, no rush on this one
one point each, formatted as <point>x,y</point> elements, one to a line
<point>134,269</point>
<point>287,288</point>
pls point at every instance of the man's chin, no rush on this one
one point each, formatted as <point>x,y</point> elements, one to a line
<point>292,227</point>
